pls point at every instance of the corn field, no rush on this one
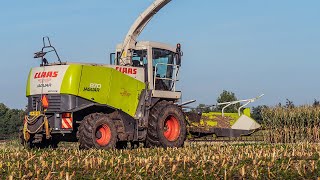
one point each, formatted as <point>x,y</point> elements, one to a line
<point>194,161</point>
<point>290,125</point>
<point>293,153</point>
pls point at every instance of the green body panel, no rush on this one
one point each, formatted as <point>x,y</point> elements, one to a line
<point>215,119</point>
<point>28,83</point>
<point>117,89</point>
<point>247,112</point>
<point>71,80</point>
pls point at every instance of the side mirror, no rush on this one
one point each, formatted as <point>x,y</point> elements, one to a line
<point>179,54</point>
<point>113,58</point>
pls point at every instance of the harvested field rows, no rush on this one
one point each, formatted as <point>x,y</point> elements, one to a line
<point>195,160</point>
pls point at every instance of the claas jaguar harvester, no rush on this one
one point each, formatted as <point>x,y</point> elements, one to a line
<point>132,99</point>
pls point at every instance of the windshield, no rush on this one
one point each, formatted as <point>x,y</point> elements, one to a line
<point>139,58</point>
<point>161,59</point>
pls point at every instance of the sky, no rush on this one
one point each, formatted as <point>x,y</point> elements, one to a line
<point>248,47</point>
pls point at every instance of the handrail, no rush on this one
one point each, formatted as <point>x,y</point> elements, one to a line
<point>248,101</point>
<point>45,46</point>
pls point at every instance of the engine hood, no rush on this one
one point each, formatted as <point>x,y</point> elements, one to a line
<point>48,79</point>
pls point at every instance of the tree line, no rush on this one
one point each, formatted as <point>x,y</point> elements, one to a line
<point>10,121</point>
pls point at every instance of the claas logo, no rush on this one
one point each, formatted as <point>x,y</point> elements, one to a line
<point>49,74</point>
<point>127,70</point>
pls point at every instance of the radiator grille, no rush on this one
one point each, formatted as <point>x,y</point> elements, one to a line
<point>54,103</point>
<point>35,103</point>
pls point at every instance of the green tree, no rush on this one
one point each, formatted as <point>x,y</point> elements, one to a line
<point>256,113</point>
<point>289,104</point>
<point>203,108</point>
<point>10,121</point>
<point>3,109</point>
<point>227,96</point>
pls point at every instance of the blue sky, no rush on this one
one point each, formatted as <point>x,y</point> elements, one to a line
<point>248,47</point>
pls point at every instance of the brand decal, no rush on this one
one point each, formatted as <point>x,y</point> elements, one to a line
<point>47,80</point>
<point>48,74</point>
<point>44,85</point>
<point>127,70</point>
<point>44,78</point>
<point>93,87</point>
<point>125,93</point>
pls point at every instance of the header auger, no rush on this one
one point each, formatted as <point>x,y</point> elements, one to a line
<point>132,99</point>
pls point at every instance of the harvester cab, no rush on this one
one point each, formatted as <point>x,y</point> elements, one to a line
<point>159,64</point>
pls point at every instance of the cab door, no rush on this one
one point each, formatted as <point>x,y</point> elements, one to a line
<point>163,67</point>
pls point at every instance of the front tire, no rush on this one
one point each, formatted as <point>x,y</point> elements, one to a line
<point>167,126</point>
<point>97,131</point>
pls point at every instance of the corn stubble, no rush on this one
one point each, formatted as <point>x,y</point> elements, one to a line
<point>195,160</point>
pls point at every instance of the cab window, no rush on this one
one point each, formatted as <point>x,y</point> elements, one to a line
<point>139,58</point>
<point>162,64</point>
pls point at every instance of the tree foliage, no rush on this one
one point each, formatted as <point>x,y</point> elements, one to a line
<point>316,103</point>
<point>227,96</point>
<point>10,120</point>
<point>203,108</point>
<point>256,113</point>
<point>289,104</point>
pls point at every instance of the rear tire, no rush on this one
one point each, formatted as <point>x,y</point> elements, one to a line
<point>166,126</point>
<point>97,131</point>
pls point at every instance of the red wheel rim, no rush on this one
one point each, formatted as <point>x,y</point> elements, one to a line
<point>105,135</point>
<point>172,128</point>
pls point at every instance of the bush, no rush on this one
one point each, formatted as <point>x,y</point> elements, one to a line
<point>10,121</point>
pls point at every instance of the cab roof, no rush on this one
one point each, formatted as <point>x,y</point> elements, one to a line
<point>145,44</point>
